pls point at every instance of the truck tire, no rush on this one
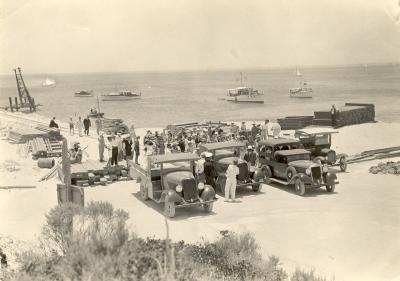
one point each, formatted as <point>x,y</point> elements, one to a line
<point>330,188</point>
<point>208,207</point>
<point>169,208</point>
<point>267,174</point>
<point>299,187</point>
<point>343,164</point>
<point>256,187</point>
<point>143,192</point>
<point>290,172</point>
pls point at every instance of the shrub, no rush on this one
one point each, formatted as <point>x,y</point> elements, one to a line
<point>302,275</point>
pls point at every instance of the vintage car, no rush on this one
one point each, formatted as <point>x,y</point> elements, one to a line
<point>223,155</point>
<point>285,162</point>
<point>169,179</point>
<point>319,142</point>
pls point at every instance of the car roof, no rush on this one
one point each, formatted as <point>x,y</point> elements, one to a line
<point>222,145</point>
<point>277,141</point>
<point>173,157</point>
<point>316,131</point>
<point>292,152</point>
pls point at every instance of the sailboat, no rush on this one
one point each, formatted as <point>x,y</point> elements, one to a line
<point>298,73</point>
<point>95,112</point>
<point>244,94</point>
<point>48,82</point>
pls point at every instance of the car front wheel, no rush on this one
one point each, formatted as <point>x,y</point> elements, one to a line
<point>256,187</point>
<point>169,209</point>
<point>299,187</point>
<point>330,188</point>
<point>208,207</point>
<point>343,164</point>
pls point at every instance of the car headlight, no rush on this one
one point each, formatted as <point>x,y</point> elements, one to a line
<point>325,168</point>
<point>200,186</point>
<point>179,188</point>
<point>308,171</point>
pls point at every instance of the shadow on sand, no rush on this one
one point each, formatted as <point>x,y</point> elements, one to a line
<point>310,192</point>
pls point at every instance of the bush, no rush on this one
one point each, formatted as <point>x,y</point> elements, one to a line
<point>301,275</point>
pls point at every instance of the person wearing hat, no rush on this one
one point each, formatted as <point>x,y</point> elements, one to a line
<point>254,132</point>
<point>127,147</point>
<point>264,130</point>
<point>230,184</point>
<point>200,168</point>
<point>87,125</point>
<point>250,157</point>
<point>76,153</point>
<point>209,170</point>
<point>102,145</point>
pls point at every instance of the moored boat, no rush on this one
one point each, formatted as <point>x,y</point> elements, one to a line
<point>245,99</point>
<point>84,94</point>
<point>301,92</point>
<point>48,82</point>
<point>120,96</point>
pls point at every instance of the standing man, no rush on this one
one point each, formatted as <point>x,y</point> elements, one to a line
<point>127,146</point>
<point>209,170</point>
<point>230,184</point>
<point>264,130</point>
<point>136,147</point>
<point>71,127</point>
<point>200,168</point>
<point>120,148</point>
<point>53,123</point>
<point>253,132</point>
<point>79,125</point>
<point>99,125</point>
<point>114,151</point>
<point>333,116</point>
<point>250,157</point>
<point>102,145</point>
<point>86,124</point>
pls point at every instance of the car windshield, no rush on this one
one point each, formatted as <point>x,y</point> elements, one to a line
<point>321,139</point>
<point>304,156</point>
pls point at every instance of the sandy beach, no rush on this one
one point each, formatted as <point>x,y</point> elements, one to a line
<point>351,234</point>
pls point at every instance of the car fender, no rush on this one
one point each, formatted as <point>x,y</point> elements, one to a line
<point>208,193</point>
<point>172,196</point>
<point>303,177</point>
<point>258,174</point>
<point>330,178</point>
<point>342,155</point>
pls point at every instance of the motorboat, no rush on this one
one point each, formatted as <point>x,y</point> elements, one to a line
<point>48,82</point>
<point>84,94</point>
<point>301,92</point>
<point>120,96</point>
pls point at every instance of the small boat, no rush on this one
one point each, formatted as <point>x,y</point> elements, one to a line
<point>120,96</point>
<point>48,82</point>
<point>301,92</point>
<point>84,94</point>
<point>243,91</point>
<point>298,73</point>
<point>245,99</point>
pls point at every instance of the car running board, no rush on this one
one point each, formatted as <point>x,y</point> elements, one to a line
<point>279,181</point>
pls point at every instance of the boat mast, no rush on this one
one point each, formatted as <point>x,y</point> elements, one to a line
<point>98,104</point>
<point>241,79</point>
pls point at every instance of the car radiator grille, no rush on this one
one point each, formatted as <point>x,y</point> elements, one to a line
<point>189,190</point>
<point>316,172</point>
<point>331,157</point>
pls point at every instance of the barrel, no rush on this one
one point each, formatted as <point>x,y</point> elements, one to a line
<point>46,163</point>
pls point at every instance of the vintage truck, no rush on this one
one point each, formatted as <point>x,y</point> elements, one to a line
<point>223,155</point>
<point>318,142</point>
<point>169,179</point>
<point>285,162</point>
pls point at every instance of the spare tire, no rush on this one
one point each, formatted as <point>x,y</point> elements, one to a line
<point>290,172</point>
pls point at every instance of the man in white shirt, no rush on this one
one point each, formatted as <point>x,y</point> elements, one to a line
<point>264,130</point>
<point>230,185</point>
<point>200,168</point>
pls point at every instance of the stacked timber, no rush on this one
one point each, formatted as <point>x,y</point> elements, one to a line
<point>295,122</point>
<point>351,113</point>
<point>356,113</point>
<point>96,173</point>
<point>114,126</point>
<point>23,135</point>
<point>44,147</point>
<point>51,132</point>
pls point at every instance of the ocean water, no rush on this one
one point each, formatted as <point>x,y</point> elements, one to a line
<point>179,97</point>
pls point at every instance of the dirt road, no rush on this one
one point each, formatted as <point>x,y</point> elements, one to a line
<point>352,234</point>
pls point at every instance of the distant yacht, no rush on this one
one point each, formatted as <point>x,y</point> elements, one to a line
<point>120,96</point>
<point>48,82</point>
<point>301,92</point>
<point>84,94</point>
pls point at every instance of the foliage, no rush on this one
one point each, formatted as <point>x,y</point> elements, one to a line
<point>93,243</point>
<point>302,275</point>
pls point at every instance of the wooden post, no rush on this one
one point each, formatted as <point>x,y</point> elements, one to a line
<point>16,103</point>
<point>11,106</point>
<point>66,168</point>
<point>33,105</point>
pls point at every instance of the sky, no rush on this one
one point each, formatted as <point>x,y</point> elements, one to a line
<point>69,36</point>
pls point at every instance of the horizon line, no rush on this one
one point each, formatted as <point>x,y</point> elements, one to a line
<point>212,69</point>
